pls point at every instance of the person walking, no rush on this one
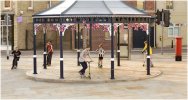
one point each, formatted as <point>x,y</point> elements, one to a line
<point>49,52</point>
<point>83,60</point>
<point>145,53</point>
<point>101,52</point>
<point>16,53</point>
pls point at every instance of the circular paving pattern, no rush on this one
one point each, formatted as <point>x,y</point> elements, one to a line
<point>98,75</point>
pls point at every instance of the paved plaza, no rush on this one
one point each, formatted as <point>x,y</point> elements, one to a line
<point>168,79</point>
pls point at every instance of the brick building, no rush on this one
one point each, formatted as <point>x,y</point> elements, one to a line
<point>21,33</point>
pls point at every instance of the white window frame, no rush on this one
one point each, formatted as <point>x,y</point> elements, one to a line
<point>30,5</point>
<point>173,31</point>
<point>8,8</point>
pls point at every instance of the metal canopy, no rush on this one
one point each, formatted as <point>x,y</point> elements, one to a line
<point>75,11</point>
<point>73,7</point>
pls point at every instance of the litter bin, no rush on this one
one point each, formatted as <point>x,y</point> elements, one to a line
<point>178,49</point>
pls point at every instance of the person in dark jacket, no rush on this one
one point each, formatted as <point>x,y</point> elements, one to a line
<point>16,53</point>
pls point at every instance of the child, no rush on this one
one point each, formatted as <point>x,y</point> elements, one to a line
<point>82,59</point>
<point>145,51</point>
<point>16,54</point>
<point>101,52</point>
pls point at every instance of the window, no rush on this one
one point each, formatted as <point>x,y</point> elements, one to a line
<point>174,31</point>
<point>49,4</point>
<point>7,4</point>
<point>140,4</point>
<point>169,4</point>
<point>170,32</point>
<point>30,4</point>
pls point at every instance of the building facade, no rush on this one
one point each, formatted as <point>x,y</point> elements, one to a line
<point>21,29</point>
<point>178,23</point>
<point>21,24</point>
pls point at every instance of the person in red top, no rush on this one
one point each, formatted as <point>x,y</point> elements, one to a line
<point>49,52</point>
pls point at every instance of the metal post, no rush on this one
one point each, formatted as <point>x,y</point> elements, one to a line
<point>34,50</point>
<point>12,20</point>
<point>148,50</point>
<point>7,19</point>
<point>112,50</point>
<point>61,55</point>
<point>2,34</point>
<point>90,36</point>
<point>162,25</point>
<point>118,51</point>
<point>162,39</point>
<point>78,51</point>
<point>44,54</point>
<point>26,38</point>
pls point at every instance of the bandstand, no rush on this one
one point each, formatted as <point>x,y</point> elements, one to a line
<point>110,14</point>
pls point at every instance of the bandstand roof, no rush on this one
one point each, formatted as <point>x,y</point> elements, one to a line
<point>91,8</point>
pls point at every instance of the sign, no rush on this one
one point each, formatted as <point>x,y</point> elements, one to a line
<point>19,19</point>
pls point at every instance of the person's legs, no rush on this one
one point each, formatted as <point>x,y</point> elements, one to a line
<point>50,58</point>
<point>84,67</point>
<point>144,59</point>
<point>13,63</point>
<point>16,63</point>
<point>82,70</point>
<point>151,63</point>
<point>99,62</point>
<point>47,59</point>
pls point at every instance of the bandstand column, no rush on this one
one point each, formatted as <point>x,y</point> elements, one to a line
<point>44,54</point>
<point>118,51</point>
<point>148,50</point>
<point>90,36</point>
<point>34,49</point>
<point>112,50</point>
<point>78,50</point>
<point>61,54</point>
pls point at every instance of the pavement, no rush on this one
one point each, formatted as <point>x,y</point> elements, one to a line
<point>126,72</point>
<point>168,79</point>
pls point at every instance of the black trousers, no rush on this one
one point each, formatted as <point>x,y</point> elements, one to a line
<point>49,58</point>
<point>84,67</point>
<point>15,62</point>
